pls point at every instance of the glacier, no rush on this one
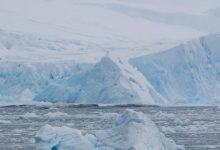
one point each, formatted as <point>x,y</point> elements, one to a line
<point>188,74</point>
<point>108,82</point>
<point>131,131</point>
<point>19,81</point>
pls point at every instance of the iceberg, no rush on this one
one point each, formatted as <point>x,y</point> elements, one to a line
<point>62,138</point>
<point>131,131</point>
<point>135,131</point>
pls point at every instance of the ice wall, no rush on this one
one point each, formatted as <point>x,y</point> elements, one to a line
<point>186,74</point>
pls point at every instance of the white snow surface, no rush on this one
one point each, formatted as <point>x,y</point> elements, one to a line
<point>131,131</point>
<point>32,30</point>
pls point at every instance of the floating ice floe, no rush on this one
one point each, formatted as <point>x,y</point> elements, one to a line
<point>29,115</point>
<point>5,121</point>
<point>131,131</point>
<point>56,114</point>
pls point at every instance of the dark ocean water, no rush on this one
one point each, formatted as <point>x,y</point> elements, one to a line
<point>197,128</point>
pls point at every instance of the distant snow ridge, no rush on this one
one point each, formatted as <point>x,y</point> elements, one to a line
<point>131,131</point>
<point>107,83</point>
<point>19,41</point>
<point>187,74</point>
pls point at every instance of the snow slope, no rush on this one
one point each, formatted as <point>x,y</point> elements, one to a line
<point>106,83</point>
<point>72,28</point>
<point>132,131</point>
<point>187,74</point>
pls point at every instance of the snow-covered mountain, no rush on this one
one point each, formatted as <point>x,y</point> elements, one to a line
<point>82,29</point>
<point>186,74</point>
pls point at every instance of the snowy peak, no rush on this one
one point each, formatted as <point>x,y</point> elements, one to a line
<point>107,62</point>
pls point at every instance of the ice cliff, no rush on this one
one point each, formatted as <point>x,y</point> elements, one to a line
<point>19,81</point>
<point>187,74</point>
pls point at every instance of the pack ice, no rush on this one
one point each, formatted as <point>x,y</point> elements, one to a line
<point>131,131</point>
